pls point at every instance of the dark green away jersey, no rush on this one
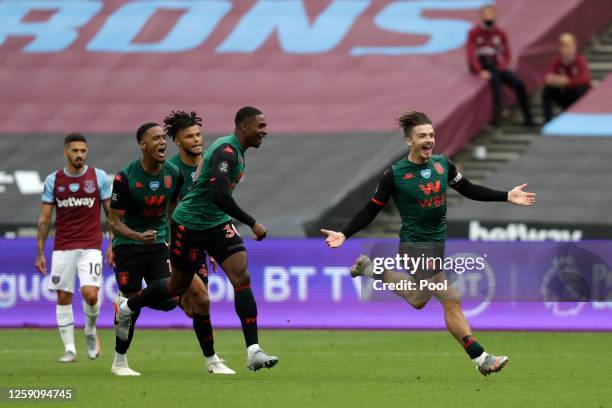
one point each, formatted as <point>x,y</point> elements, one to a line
<point>419,192</point>
<point>197,210</point>
<point>144,199</point>
<point>188,173</point>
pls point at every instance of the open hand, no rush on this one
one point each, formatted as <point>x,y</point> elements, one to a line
<point>519,197</point>
<point>334,239</point>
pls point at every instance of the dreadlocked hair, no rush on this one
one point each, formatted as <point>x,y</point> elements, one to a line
<point>179,120</point>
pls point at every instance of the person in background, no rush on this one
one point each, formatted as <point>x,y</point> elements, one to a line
<point>567,79</point>
<point>489,56</point>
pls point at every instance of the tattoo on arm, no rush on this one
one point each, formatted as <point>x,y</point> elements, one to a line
<point>43,229</point>
<point>42,234</point>
<point>44,225</point>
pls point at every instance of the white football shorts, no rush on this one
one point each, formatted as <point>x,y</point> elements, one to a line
<point>65,265</point>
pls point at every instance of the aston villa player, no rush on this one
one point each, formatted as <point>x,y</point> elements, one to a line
<point>418,184</point>
<point>185,129</point>
<point>144,194</point>
<point>203,222</point>
<point>77,192</point>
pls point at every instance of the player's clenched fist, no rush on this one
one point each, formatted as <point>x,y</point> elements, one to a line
<point>334,239</point>
<point>148,237</point>
<point>259,231</point>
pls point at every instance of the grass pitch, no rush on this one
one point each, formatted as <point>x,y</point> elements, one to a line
<point>320,368</point>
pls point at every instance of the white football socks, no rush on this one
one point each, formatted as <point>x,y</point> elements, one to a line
<point>120,359</point>
<point>91,314</point>
<point>480,359</point>
<point>211,359</point>
<point>125,308</point>
<point>65,324</point>
<point>252,349</point>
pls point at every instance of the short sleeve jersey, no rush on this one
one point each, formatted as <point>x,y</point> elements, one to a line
<point>188,173</point>
<point>77,200</point>
<point>144,199</point>
<point>197,210</point>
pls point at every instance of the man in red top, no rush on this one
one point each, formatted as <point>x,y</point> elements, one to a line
<point>489,56</point>
<point>78,193</point>
<point>567,79</point>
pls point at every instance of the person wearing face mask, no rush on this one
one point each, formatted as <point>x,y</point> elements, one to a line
<point>567,79</point>
<point>489,56</point>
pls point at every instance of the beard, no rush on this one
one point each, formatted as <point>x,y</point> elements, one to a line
<point>191,153</point>
<point>78,164</point>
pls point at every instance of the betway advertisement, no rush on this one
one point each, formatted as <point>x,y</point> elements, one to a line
<point>300,283</point>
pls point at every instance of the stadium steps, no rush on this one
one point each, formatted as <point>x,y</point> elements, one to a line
<point>599,55</point>
<point>508,142</point>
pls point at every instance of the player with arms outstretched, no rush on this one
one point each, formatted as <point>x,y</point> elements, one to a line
<point>144,194</point>
<point>418,186</point>
<point>203,222</point>
<point>77,192</point>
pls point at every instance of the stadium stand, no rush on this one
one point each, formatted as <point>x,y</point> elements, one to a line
<point>515,155</point>
<point>313,169</point>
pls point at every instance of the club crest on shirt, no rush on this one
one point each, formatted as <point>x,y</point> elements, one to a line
<point>55,279</point>
<point>426,173</point>
<point>193,173</point>
<point>89,186</point>
<point>154,185</point>
<point>74,187</point>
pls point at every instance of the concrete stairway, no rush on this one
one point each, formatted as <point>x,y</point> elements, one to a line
<point>502,144</point>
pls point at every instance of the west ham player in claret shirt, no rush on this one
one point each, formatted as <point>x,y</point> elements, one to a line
<point>77,192</point>
<point>417,183</point>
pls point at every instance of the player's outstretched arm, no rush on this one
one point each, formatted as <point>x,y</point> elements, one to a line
<point>520,197</point>
<point>44,224</point>
<point>366,215</point>
<point>480,193</point>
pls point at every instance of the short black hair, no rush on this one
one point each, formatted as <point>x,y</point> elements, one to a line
<point>179,120</point>
<point>74,137</point>
<point>411,119</point>
<point>143,129</point>
<point>246,113</point>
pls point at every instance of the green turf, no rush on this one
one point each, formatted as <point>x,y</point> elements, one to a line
<point>321,368</point>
